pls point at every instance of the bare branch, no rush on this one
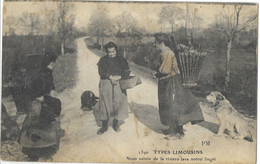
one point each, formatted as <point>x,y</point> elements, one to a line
<point>170,14</point>
<point>29,22</point>
<point>238,10</point>
<point>250,20</point>
<point>226,15</point>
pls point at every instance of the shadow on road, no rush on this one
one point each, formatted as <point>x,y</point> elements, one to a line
<point>210,126</point>
<point>149,116</point>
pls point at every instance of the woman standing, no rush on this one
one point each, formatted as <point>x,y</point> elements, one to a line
<point>45,73</point>
<point>177,105</point>
<point>113,100</point>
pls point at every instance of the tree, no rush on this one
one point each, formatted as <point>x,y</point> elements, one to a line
<point>10,23</point>
<point>125,22</point>
<point>29,22</point>
<point>171,14</point>
<point>161,22</point>
<point>65,22</point>
<point>51,22</point>
<point>195,21</point>
<point>231,22</point>
<point>128,34</point>
<point>187,17</point>
<point>192,23</point>
<point>100,25</point>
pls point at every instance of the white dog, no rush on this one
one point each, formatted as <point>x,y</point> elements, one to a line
<point>229,118</point>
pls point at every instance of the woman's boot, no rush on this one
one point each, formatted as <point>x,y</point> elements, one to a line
<point>103,128</point>
<point>168,131</point>
<point>180,130</point>
<point>116,126</point>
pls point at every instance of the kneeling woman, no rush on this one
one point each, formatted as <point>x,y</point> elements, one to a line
<point>112,99</point>
<point>40,136</point>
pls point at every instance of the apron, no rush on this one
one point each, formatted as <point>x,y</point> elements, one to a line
<point>112,101</point>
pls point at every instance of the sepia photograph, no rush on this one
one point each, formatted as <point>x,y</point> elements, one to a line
<point>129,82</point>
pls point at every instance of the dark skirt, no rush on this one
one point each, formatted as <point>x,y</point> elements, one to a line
<point>38,134</point>
<point>165,97</point>
<point>22,98</point>
<point>182,109</point>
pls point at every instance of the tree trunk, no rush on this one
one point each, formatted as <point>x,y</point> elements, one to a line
<point>62,48</point>
<point>189,40</point>
<point>125,52</point>
<point>227,75</point>
<point>102,43</point>
<point>97,40</point>
<point>187,17</point>
<point>44,43</point>
<point>31,30</point>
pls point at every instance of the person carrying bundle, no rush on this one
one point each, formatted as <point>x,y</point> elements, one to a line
<point>177,105</point>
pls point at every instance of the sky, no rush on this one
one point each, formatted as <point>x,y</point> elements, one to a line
<point>146,13</point>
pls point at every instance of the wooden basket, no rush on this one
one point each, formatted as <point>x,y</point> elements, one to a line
<point>190,65</point>
<point>130,82</point>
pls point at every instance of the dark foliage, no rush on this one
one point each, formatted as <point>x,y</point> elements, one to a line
<point>16,50</point>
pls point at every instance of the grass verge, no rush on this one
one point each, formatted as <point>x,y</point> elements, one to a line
<point>65,72</point>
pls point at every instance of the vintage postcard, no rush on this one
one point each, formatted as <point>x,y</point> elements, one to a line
<point>129,82</point>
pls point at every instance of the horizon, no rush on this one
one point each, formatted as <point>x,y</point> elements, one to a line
<point>146,14</point>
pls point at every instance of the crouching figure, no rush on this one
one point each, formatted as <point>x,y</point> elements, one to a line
<point>41,132</point>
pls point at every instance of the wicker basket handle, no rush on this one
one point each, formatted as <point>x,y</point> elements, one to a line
<point>131,72</point>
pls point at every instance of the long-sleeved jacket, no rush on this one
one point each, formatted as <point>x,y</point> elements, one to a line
<point>167,64</point>
<point>113,100</point>
<point>112,66</point>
